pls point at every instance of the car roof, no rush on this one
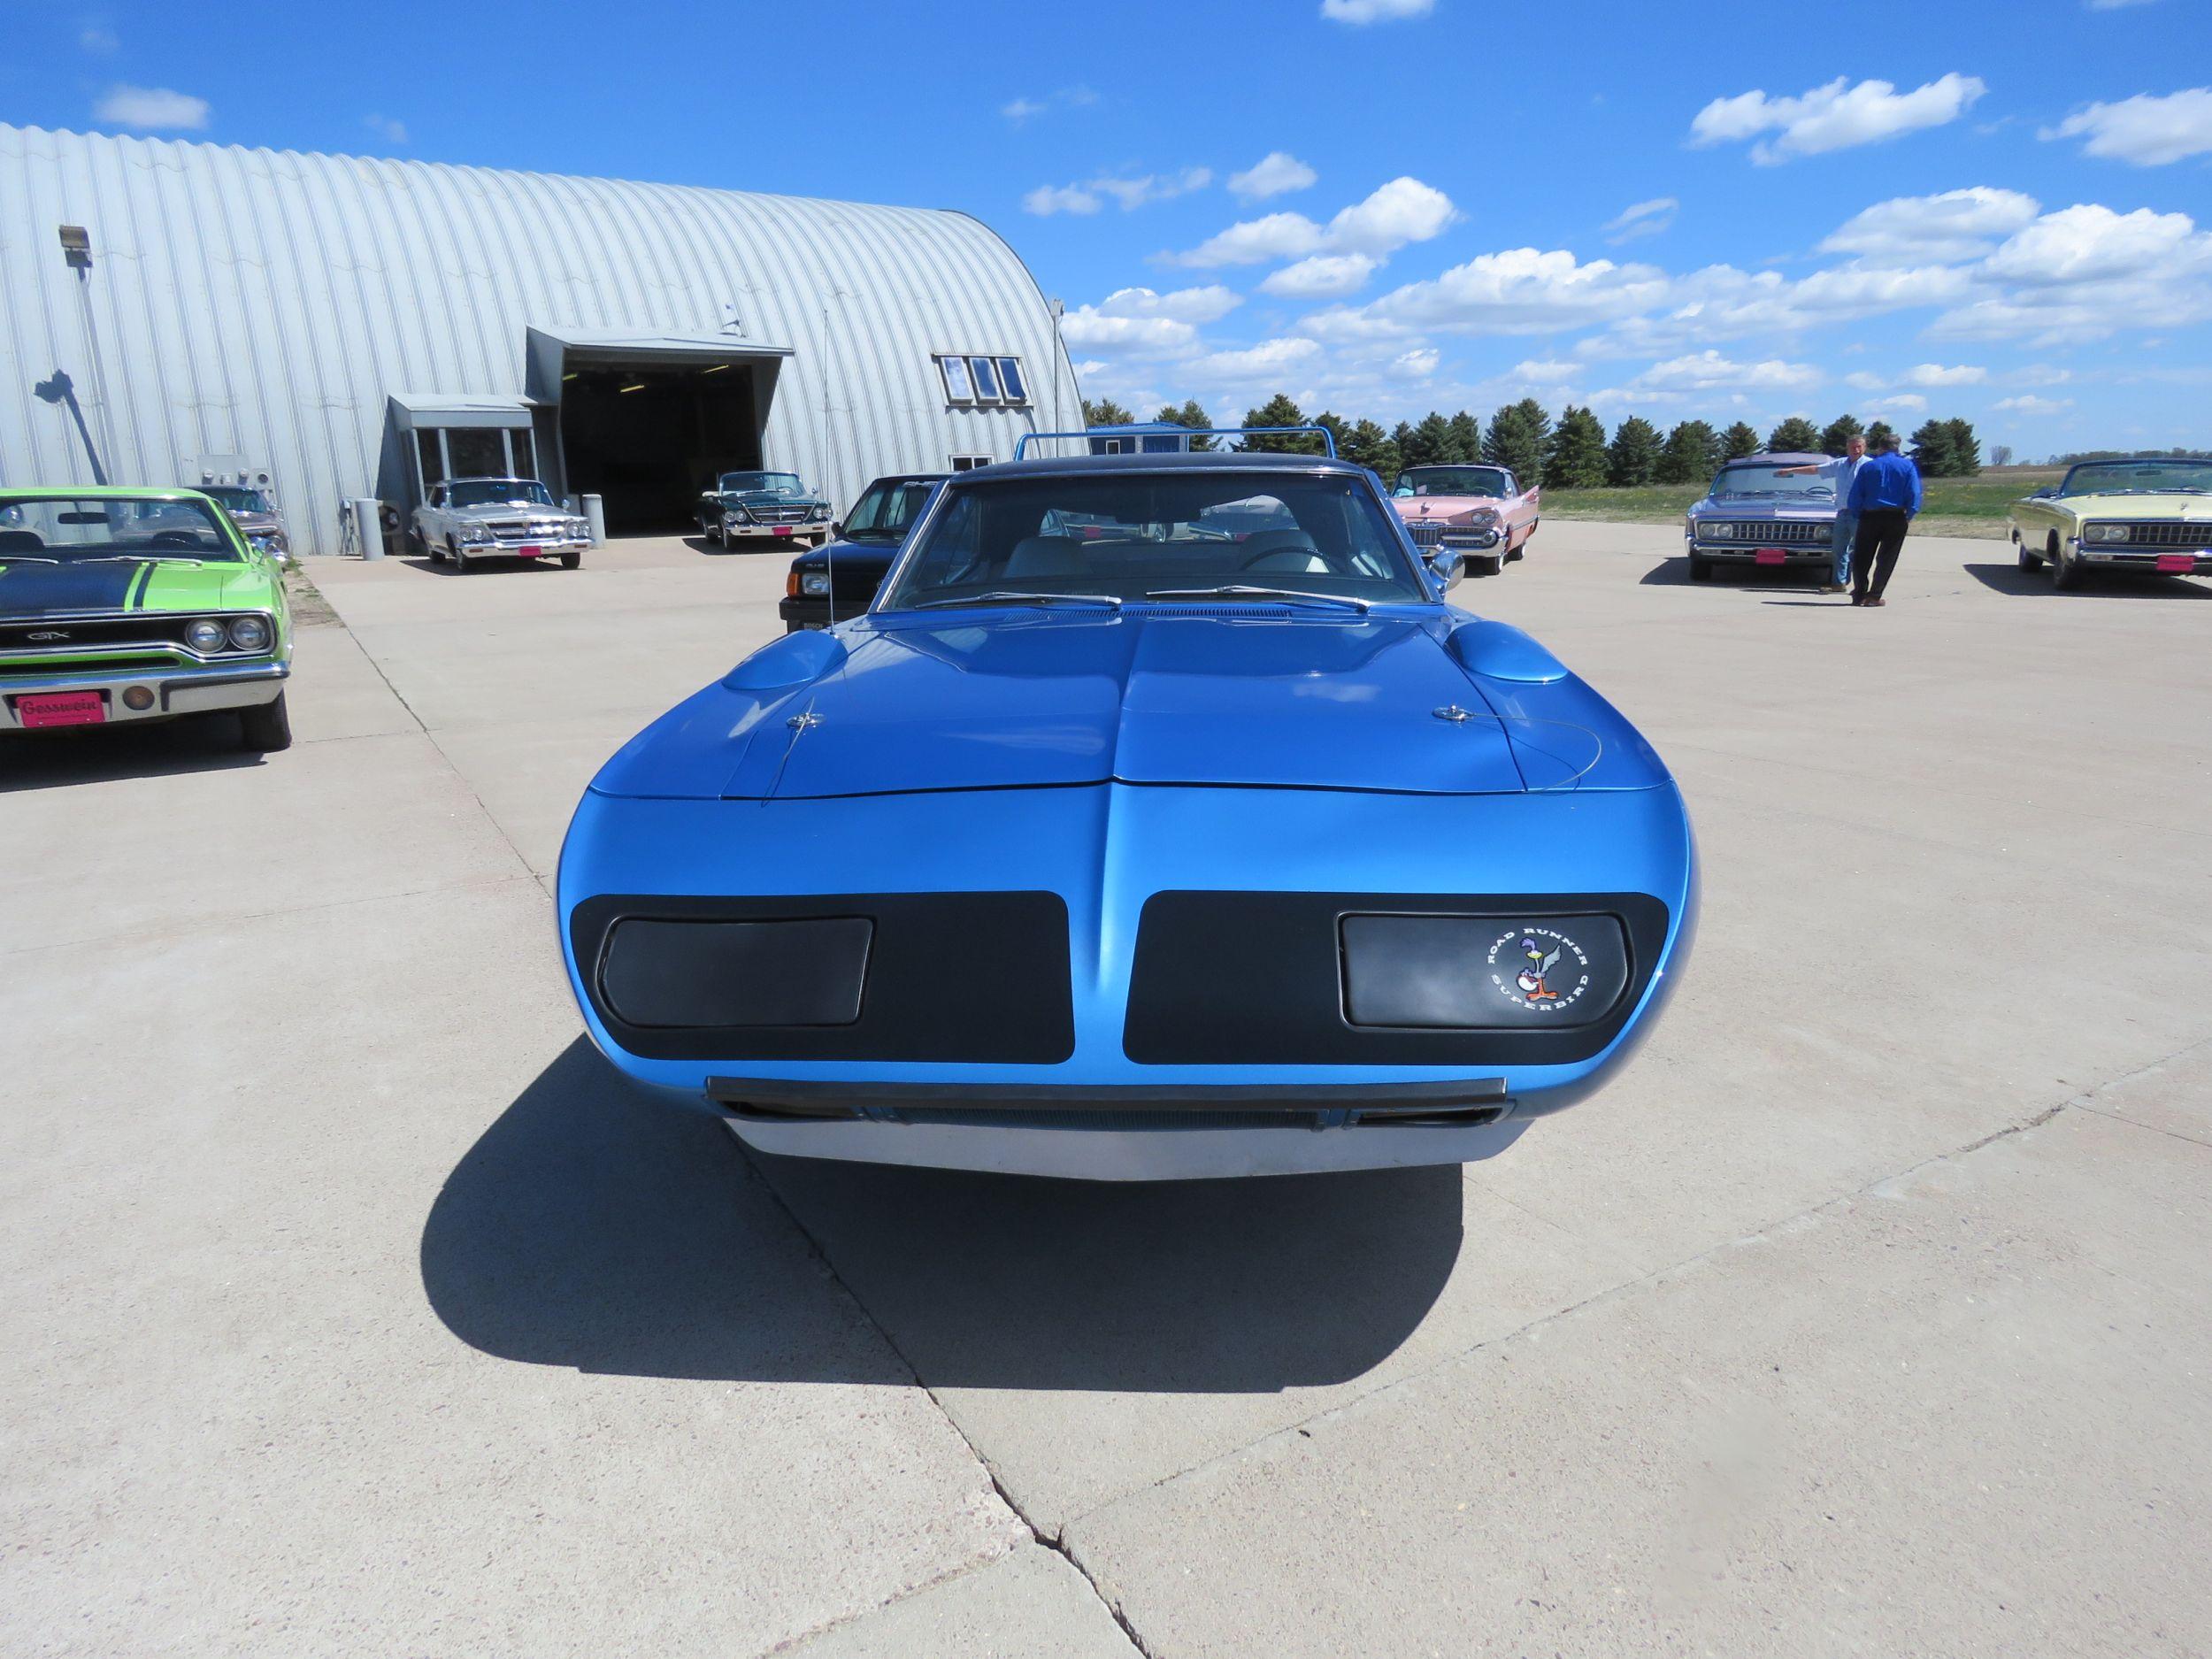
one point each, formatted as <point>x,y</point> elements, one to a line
<point>1207,461</point>
<point>1780,457</point>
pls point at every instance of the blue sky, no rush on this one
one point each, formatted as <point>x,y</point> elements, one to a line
<point>1380,206</point>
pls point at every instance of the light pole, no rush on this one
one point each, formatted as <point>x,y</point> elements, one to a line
<point>76,252</point>
<point>61,390</point>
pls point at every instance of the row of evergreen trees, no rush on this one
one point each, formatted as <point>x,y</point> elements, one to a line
<point>1572,452</point>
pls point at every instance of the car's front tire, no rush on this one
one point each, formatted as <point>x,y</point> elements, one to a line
<point>1701,570</point>
<point>572,561</point>
<point>460,559</point>
<point>2028,560</point>
<point>2065,572</point>
<point>266,727</point>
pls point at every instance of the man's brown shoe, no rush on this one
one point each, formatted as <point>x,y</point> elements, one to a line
<point>1877,602</point>
<point>1829,587</point>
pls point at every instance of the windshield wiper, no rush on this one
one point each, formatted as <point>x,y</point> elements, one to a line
<point>140,558</point>
<point>1007,598</point>
<point>1244,590</point>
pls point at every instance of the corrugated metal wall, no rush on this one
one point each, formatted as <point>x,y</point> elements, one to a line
<point>264,303</point>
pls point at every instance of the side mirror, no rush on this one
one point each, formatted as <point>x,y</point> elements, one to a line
<point>2049,492</point>
<point>837,527</point>
<point>1446,564</point>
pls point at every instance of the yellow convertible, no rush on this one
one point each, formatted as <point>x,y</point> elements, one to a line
<point>2153,514</point>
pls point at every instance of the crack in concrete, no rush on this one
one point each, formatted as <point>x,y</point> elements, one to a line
<point>1626,1286</point>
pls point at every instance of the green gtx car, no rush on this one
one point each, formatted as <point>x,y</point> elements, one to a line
<point>136,604</point>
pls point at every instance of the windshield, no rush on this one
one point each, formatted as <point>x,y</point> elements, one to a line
<point>498,492</point>
<point>2097,477</point>
<point>1129,535</point>
<point>888,510</point>
<point>1802,481</point>
<point>1453,481</point>
<point>237,498</point>
<point>69,531</point>
<point>754,483</point>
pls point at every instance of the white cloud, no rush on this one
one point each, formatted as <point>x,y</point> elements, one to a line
<point>1400,212</point>
<point>1644,218</point>
<point>1323,277</point>
<point>2147,130</point>
<point>1088,328</point>
<point>2086,243</point>
<point>98,39</point>
<point>1362,11</point>
<point>1837,116</point>
<point>1520,291</point>
<point>1707,370</point>
<point>384,126</point>
<point>1403,210</point>
<point>1953,226</point>
<point>1023,110</point>
<point>1937,374</point>
<point>1207,304</point>
<point>1901,403</point>
<point>2028,403</point>
<point>1417,364</point>
<point>1048,199</point>
<point>1277,173</point>
<point>2086,271</point>
<point>1547,370</point>
<point>1264,361</point>
<point>1255,241</point>
<point>1131,192</point>
<point>151,109</point>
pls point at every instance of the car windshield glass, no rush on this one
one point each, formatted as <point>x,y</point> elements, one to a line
<point>885,509</point>
<point>752,483</point>
<point>68,531</point>
<point>236,498</point>
<point>2092,478</point>
<point>498,492</point>
<point>1453,481</point>
<point>1128,536</point>
<point>1773,483</point>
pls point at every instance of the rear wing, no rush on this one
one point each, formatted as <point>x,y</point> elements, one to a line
<point>1182,434</point>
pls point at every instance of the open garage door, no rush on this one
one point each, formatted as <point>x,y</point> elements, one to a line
<point>649,421</point>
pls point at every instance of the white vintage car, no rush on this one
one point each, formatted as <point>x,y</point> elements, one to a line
<point>470,519</point>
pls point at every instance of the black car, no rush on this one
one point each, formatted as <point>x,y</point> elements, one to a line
<point>842,577</point>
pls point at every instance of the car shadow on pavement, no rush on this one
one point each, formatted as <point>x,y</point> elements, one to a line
<point>597,1227</point>
<point>1675,572</point>
<point>155,748</point>
<point>2036,584</point>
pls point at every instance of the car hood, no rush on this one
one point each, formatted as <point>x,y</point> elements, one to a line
<point>257,523</point>
<point>509,510</point>
<point>1417,507</point>
<point>1016,699</point>
<point>2178,505</point>
<point>853,554</point>
<point>1765,512</point>
<point>114,586</point>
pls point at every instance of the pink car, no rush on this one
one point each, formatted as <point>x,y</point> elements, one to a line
<point>1481,511</point>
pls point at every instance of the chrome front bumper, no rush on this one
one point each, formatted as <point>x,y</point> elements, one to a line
<point>2112,555</point>
<point>175,690</point>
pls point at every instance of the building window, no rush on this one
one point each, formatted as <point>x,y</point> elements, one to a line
<point>969,462</point>
<point>432,454</point>
<point>976,380</point>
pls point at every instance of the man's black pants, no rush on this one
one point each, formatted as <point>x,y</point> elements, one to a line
<point>1874,553</point>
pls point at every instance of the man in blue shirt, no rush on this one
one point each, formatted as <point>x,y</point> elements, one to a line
<point>1886,495</point>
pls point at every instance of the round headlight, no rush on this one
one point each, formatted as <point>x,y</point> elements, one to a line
<point>206,634</point>
<point>818,511</point>
<point>2106,533</point>
<point>249,633</point>
<point>475,532</point>
<point>814,582</point>
<point>1717,531</point>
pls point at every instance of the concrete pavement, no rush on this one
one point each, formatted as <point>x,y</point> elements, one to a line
<point>356,1304</point>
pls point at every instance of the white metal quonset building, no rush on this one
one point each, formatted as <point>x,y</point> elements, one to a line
<point>358,327</point>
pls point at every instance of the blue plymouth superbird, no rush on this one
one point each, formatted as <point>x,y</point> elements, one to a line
<point>1159,819</point>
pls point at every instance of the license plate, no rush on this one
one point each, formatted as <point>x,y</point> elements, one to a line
<point>529,552</point>
<point>779,529</point>
<point>1770,555</point>
<point>61,708</point>
<point>2177,563</point>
